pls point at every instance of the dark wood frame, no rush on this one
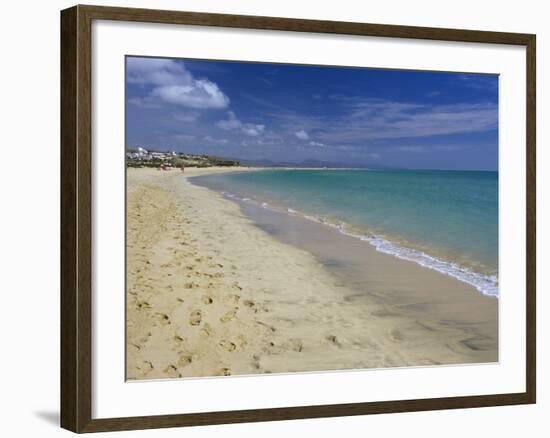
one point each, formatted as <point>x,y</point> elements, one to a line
<point>76,217</point>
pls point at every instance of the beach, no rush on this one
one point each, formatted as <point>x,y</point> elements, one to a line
<point>210,292</point>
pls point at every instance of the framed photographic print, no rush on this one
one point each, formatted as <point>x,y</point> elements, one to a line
<point>269,218</point>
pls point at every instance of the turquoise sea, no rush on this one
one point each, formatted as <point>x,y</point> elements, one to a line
<point>443,220</point>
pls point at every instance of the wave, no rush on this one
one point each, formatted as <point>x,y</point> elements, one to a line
<point>486,284</point>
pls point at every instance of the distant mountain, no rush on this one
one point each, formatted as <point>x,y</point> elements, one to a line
<point>309,163</point>
<point>140,157</point>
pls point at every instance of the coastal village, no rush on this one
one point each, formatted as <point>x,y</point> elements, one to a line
<point>141,157</point>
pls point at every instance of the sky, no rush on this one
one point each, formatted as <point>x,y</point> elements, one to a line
<point>362,117</point>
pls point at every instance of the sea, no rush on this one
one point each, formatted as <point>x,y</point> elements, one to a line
<point>442,220</point>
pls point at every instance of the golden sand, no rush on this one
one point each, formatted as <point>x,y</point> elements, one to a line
<point>211,294</point>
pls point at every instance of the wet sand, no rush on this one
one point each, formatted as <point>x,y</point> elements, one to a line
<point>214,288</point>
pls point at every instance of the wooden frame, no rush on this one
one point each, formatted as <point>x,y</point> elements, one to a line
<point>76,243</point>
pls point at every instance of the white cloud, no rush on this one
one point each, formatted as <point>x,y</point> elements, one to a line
<point>375,119</point>
<point>210,139</point>
<point>233,123</point>
<point>143,102</point>
<point>317,144</point>
<point>253,130</point>
<point>155,71</point>
<point>302,135</point>
<point>262,142</point>
<point>200,94</point>
<point>173,83</point>
<point>186,117</point>
<point>480,81</point>
<point>421,149</point>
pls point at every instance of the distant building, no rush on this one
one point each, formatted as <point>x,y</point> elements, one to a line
<point>140,157</point>
<point>160,155</point>
<point>139,154</point>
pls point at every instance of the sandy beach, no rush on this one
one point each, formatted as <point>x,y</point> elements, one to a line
<point>209,293</point>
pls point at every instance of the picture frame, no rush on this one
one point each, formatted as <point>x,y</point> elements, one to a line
<point>77,309</point>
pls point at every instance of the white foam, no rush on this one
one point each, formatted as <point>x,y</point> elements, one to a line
<point>486,284</point>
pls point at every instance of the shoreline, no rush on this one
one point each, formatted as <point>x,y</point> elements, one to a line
<point>211,293</point>
<point>484,283</point>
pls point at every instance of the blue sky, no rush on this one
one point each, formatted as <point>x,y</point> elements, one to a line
<point>292,113</point>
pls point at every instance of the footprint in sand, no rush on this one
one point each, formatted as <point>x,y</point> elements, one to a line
<point>195,318</point>
<point>146,367</point>
<point>163,318</point>
<point>207,329</point>
<point>270,327</point>
<point>172,371</point>
<point>333,340</point>
<point>146,337</point>
<point>143,305</point>
<point>396,335</point>
<point>224,372</point>
<point>227,345</point>
<point>285,322</point>
<point>229,316</point>
<point>185,359</point>
<point>296,345</point>
<point>272,348</point>
<point>242,340</point>
<point>256,361</point>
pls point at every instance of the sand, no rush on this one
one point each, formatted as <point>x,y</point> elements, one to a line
<point>209,293</point>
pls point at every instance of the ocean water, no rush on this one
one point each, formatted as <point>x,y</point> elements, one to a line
<point>443,220</point>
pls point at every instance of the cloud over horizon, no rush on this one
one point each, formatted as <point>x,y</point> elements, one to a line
<point>172,83</point>
<point>263,111</point>
<point>233,123</point>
